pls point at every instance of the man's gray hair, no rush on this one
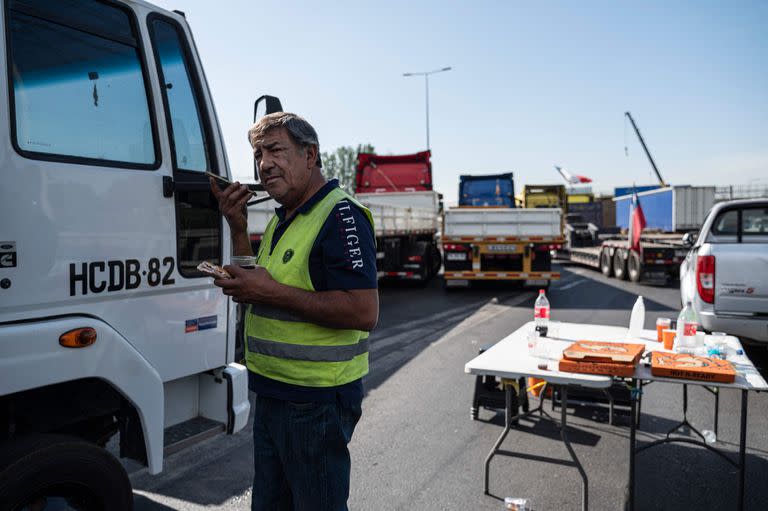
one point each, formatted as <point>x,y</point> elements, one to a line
<point>301,132</point>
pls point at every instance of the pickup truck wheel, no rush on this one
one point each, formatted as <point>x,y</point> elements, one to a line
<point>605,263</point>
<point>634,267</point>
<point>619,265</point>
<point>63,473</point>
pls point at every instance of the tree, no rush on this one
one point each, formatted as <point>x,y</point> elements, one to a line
<point>341,164</point>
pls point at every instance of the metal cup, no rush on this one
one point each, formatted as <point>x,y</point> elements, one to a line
<point>246,262</point>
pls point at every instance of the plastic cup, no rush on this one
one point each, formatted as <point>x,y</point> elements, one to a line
<point>668,337</point>
<point>247,262</point>
<point>661,325</point>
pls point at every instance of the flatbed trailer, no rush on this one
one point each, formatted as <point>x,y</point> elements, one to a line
<point>659,259</point>
<point>500,244</point>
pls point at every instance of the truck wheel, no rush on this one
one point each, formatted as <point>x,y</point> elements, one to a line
<point>634,267</point>
<point>61,472</point>
<point>619,265</point>
<point>605,263</point>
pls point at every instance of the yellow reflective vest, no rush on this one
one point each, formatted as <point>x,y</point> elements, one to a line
<point>284,347</point>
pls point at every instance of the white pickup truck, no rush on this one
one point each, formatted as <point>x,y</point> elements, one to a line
<point>725,274</point>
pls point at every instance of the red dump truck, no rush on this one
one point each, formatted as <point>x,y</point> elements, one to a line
<point>406,211</point>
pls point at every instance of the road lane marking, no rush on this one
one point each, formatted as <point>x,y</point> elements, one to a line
<point>571,284</point>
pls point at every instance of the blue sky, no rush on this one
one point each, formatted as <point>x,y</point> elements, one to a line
<point>531,86</point>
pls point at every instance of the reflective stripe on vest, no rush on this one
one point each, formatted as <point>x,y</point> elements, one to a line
<point>309,353</point>
<point>280,344</point>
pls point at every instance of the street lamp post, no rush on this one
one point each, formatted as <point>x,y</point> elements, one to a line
<point>426,74</point>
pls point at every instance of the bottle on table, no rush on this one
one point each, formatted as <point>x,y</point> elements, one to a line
<point>687,325</point>
<point>637,319</point>
<point>541,313</point>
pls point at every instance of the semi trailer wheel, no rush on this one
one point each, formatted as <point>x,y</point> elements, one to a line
<point>63,473</point>
<point>619,265</point>
<point>605,263</point>
<point>634,267</point>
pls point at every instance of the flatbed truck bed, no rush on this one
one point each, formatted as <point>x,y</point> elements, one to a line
<point>660,259</point>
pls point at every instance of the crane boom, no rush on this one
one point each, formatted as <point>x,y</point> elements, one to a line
<point>647,153</point>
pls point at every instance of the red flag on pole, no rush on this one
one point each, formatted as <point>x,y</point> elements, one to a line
<point>636,222</point>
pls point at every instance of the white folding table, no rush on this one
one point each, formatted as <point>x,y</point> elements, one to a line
<point>509,359</point>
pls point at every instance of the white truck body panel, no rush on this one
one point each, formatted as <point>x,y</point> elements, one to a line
<point>259,216</point>
<point>72,226</point>
<point>402,213</point>
<point>502,222</point>
<point>31,357</point>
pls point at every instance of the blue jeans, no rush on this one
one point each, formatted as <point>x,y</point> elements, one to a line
<point>300,454</point>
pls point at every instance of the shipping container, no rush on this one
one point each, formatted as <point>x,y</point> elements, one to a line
<point>670,209</point>
<point>620,191</point>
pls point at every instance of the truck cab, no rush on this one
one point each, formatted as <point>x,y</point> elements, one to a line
<point>106,325</point>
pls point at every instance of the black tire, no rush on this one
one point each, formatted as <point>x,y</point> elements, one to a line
<point>634,267</point>
<point>619,265</point>
<point>606,265</point>
<point>65,468</point>
<point>437,260</point>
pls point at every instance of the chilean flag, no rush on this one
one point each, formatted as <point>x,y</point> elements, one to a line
<point>636,222</point>
<point>571,178</point>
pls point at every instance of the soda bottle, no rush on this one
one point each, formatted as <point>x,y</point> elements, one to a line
<point>541,312</point>
<point>687,324</point>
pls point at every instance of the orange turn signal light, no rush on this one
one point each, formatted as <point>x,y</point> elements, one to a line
<point>78,338</point>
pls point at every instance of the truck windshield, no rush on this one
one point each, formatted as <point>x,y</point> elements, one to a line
<point>78,87</point>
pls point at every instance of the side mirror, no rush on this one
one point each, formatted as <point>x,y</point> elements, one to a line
<point>261,107</point>
<point>689,239</point>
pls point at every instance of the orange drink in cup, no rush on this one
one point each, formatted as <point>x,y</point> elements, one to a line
<point>661,324</point>
<point>668,337</point>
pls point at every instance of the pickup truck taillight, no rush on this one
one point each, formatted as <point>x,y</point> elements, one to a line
<point>705,278</point>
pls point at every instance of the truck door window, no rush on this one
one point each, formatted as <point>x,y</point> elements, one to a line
<point>78,84</point>
<point>198,221</point>
<point>754,221</point>
<point>726,224</point>
<point>187,134</point>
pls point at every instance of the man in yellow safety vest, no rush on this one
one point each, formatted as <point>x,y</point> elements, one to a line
<point>312,300</point>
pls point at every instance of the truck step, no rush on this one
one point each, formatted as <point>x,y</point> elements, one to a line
<point>190,432</point>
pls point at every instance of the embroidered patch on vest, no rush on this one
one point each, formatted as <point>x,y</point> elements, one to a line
<point>287,255</point>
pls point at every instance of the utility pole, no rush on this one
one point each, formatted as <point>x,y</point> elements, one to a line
<point>426,74</point>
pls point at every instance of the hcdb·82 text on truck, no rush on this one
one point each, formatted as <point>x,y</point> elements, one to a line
<point>106,326</point>
<point>487,238</point>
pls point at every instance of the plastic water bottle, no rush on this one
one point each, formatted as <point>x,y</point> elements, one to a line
<point>637,319</point>
<point>541,312</point>
<point>687,324</point>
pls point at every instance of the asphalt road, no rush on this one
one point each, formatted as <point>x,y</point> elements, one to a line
<point>417,449</point>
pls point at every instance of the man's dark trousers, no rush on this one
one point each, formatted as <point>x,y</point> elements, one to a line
<point>300,454</point>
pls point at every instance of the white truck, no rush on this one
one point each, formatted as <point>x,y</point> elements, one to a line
<point>106,326</point>
<point>259,216</point>
<point>405,222</point>
<point>487,238</point>
<point>406,212</point>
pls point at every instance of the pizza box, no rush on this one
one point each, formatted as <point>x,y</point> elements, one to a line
<point>597,351</point>
<point>691,367</point>
<point>590,367</point>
